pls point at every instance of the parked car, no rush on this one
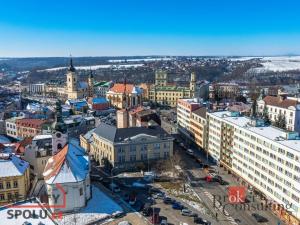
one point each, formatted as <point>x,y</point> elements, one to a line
<point>186,212</point>
<point>158,196</point>
<point>190,152</point>
<point>199,220</point>
<point>124,223</point>
<point>181,145</point>
<point>164,222</point>
<point>118,214</point>
<point>168,200</point>
<point>151,200</point>
<point>259,218</point>
<point>177,205</point>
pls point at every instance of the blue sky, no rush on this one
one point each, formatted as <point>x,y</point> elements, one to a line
<point>152,27</point>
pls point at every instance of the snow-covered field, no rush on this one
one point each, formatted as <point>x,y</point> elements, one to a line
<point>99,207</point>
<point>138,60</point>
<point>279,64</point>
<point>242,58</point>
<point>95,67</point>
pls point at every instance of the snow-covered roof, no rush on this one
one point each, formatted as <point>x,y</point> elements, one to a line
<point>40,137</point>
<point>268,132</point>
<point>12,165</point>
<point>69,165</point>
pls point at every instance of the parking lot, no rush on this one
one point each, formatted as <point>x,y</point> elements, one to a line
<point>139,196</point>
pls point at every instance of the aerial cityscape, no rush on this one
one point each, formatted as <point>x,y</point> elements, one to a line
<point>150,112</point>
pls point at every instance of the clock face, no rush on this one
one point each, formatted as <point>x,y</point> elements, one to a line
<point>58,135</point>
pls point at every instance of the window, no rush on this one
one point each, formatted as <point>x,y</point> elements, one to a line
<point>133,148</point>
<point>8,185</point>
<point>15,184</point>
<point>2,197</point>
<point>80,191</point>
<point>1,185</point>
<point>132,158</point>
<point>156,146</point>
<point>9,196</point>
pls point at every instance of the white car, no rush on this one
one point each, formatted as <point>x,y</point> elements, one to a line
<point>124,223</point>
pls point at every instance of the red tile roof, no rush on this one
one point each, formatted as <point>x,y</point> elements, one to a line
<point>279,101</point>
<point>55,165</point>
<point>35,123</point>
<point>20,146</point>
<point>120,88</point>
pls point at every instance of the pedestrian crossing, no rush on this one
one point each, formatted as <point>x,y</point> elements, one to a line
<point>219,206</point>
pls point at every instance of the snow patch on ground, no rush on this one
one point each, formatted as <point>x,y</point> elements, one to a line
<point>279,64</point>
<point>138,60</point>
<point>95,67</point>
<point>189,197</point>
<point>98,208</point>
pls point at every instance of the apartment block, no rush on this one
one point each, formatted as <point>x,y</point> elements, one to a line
<point>185,107</point>
<point>265,157</point>
<point>198,127</point>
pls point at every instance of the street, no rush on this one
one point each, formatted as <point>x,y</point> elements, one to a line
<point>207,190</point>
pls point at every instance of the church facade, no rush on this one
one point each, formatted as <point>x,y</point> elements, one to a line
<point>76,89</point>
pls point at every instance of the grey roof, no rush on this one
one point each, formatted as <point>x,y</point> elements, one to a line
<point>201,112</point>
<point>106,131</point>
<point>114,134</point>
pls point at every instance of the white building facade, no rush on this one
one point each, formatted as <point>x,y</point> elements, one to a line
<point>288,107</point>
<point>67,177</point>
<point>185,107</point>
<point>266,158</point>
<point>38,88</point>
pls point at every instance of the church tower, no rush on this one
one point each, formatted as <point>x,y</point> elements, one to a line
<point>193,84</point>
<point>161,78</point>
<point>91,84</point>
<point>72,81</point>
<point>59,131</point>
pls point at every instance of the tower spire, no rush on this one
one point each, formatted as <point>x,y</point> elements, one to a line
<point>71,68</point>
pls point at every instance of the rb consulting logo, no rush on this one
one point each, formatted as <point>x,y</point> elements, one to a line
<point>237,197</point>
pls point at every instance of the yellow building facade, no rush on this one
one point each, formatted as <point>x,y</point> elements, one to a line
<point>14,179</point>
<point>165,94</point>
